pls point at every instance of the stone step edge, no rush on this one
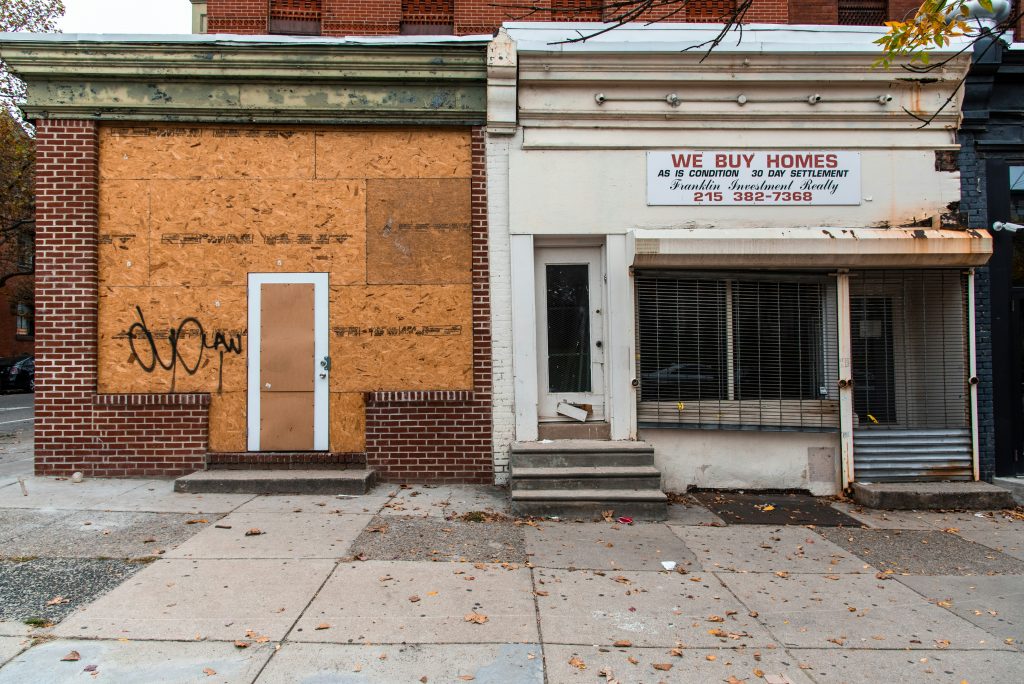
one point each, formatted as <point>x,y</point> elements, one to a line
<point>589,472</point>
<point>589,495</point>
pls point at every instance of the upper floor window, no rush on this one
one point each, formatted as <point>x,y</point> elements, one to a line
<point>294,17</point>
<point>863,12</point>
<point>428,17</point>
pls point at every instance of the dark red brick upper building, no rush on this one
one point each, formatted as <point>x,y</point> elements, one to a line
<point>467,17</point>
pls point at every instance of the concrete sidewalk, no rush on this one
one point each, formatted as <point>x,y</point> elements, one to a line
<point>437,584</point>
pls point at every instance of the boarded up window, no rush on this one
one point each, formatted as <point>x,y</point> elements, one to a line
<point>295,17</point>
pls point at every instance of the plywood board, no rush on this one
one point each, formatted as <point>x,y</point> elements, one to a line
<point>286,421</point>
<point>348,422</point>
<point>393,153</point>
<point>401,338</point>
<point>205,152</point>
<point>216,232</point>
<point>124,232</point>
<point>418,231</point>
<point>228,428</point>
<point>286,337</point>
<point>163,311</point>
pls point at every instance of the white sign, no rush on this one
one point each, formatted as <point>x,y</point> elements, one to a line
<point>770,178</point>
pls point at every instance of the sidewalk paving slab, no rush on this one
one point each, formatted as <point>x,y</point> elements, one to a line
<point>27,587</point>
<point>102,534</point>
<point>298,663</point>
<point>15,628</point>
<point>850,666</point>
<point>372,602</point>
<point>1009,541</point>
<point>761,548</point>
<point>923,552</point>
<point>691,514</point>
<point>996,604</point>
<point>691,667</point>
<point>135,662</point>
<point>51,493</point>
<point>212,599</point>
<point>648,608</point>
<point>281,535</point>
<point>813,611</point>
<point>158,496</point>
<point>16,522</point>
<point>976,520</point>
<point>605,546</point>
<point>368,504</point>
<point>11,646</point>
<point>883,519</point>
<point>394,537</point>
<point>444,500</point>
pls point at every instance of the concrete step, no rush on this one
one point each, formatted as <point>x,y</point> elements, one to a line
<point>583,477</point>
<point>590,503</point>
<point>592,430</point>
<point>931,495</point>
<point>276,482</point>
<point>574,453</point>
<point>1014,485</point>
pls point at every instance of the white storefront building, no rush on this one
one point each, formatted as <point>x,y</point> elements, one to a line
<point>747,258</point>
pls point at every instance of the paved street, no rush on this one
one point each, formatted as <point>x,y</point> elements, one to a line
<point>130,582</point>
<point>15,434</point>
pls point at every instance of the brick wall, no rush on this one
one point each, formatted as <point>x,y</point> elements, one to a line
<point>10,343</point>
<point>974,203</point>
<point>107,435</point>
<point>384,17</point>
<point>443,436</point>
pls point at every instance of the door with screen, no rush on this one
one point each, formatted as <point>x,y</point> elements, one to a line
<point>570,331</point>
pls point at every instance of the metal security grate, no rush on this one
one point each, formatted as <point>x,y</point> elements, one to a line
<point>863,12</point>
<point>908,335</point>
<point>577,10</point>
<point>428,11</point>
<point>295,17</point>
<point>710,10</point>
<point>736,351</point>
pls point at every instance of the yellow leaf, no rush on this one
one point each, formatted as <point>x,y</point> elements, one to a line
<point>577,663</point>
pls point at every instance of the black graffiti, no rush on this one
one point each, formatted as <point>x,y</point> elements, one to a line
<point>189,340</point>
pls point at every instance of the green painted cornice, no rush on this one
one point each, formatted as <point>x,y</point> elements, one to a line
<point>250,79</point>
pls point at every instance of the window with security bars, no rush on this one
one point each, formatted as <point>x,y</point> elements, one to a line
<point>710,10</point>
<point>736,351</point>
<point>577,10</point>
<point>863,12</point>
<point>908,342</point>
<point>428,17</point>
<point>294,17</point>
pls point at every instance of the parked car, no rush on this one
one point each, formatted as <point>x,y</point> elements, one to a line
<point>18,373</point>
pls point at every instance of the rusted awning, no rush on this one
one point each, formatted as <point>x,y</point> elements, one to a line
<point>811,248</point>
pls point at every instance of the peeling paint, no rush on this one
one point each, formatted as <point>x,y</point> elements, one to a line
<point>920,234</point>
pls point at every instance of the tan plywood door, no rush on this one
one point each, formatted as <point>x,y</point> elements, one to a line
<point>288,366</point>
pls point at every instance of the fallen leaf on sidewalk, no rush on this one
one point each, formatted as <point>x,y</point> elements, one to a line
<point>711,657</point>
<point>223,527</point>
<point>467,678</point>
<point>715,618</point>
<point>664,667</point>
<point>423,679</point>
<point>57,600</point>
<point>414,599</point>
<point>148,540</point>
<point>242,644</point>
<point>621,580</point>
<point>89,668</point>
<point>623,643</point>
<point>632,660</point>
<point>195,521</point>
<point>475,618</point>
<point>322,625</point>
<point>781,573</point>
<point>541,593</point>
<point>209,671</point>
<point>254,532</point>
<point>72,656</point>
<point>577,663</point>
<point>379,528</point>
<point>942,643</point>
<point>839,641</point>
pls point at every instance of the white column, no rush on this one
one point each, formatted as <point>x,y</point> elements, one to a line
<point>845,378</point>
<point>619,356</point>
<point>524,337</point>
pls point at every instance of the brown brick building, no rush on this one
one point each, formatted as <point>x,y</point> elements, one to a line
<point>467,17</point>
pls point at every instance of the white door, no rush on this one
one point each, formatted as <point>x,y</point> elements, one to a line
<point>288,362</point>
<point>570,331</point>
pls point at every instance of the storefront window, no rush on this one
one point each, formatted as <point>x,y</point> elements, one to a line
<point>736,351</point>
